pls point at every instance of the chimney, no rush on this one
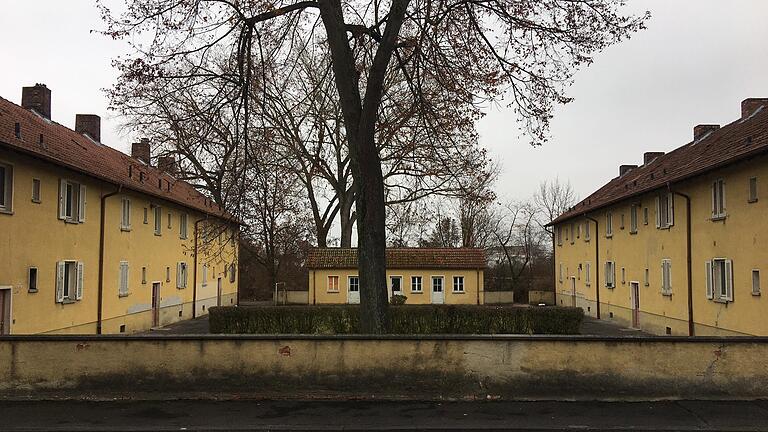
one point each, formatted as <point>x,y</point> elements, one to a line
<point>37,98</point>
<point>648,157</point>
<point>751,105</point>
<point>140,151</point>
<point>167,164</point>
<point>623,169</point>
<point>700,130</point>
<point>89,124</point>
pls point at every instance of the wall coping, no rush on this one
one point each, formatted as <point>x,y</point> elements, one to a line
<point>363,337</point>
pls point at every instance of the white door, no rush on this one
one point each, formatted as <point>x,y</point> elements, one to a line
<point>353,292</point>
<point>395,285</point>
<point>438,290</point>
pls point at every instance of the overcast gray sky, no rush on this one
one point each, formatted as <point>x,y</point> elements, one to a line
<point>694,64</point>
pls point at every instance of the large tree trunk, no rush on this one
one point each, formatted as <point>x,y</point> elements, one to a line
<point>347,217</point>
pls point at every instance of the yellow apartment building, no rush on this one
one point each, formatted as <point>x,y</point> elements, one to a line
<point>96,241</point>
<point>678,244</point>
<point>423,275</point>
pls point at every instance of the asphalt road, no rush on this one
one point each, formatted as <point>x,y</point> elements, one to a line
<point>241,415</point>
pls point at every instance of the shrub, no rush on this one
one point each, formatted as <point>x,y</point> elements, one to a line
<point>398,299</point>
<point>406,319</point>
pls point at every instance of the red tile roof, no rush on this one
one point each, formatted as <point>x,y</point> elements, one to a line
<point>401,258</point>
<point>737,141</point>
<point>67,148</point>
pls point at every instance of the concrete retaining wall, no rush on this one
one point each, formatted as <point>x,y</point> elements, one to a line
<point>498,297</point>
<point>546,297</point>
<point>513,367</point>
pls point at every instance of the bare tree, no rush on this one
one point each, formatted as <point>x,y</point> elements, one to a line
<point>516,237</point>
<point>551,200</point>
<point>464,53</point>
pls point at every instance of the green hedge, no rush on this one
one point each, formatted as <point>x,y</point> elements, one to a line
<point>407,319</point>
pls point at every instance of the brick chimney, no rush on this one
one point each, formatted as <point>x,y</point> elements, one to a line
<point>140,151</point>
<point>749,106</point>
<point>89,124</point>
<point>623,169</point>
<point>37,98</point>
<point>167,164</point>
<point>648,157</point>
<point>700,130</point>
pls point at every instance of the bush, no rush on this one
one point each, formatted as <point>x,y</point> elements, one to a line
<point>406,319</point>
<point>398,299</point>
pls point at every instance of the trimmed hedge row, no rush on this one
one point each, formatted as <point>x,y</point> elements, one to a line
<point>407,319</point>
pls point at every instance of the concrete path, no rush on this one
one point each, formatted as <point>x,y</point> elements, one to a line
<point>200,415</point>
<point>193,326</point>
<point>593,326</point>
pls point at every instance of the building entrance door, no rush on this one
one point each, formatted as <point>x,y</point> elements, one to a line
<point>438,294</point>
<point>155,304</point>
<point>5,311</point>
<point>635,300</point>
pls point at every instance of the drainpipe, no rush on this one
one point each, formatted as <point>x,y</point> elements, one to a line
<point>314,287</point>
<point>194,270</point>
<point>688,256</point>
<point>478,287</point>
<point>597,265</point>
<point>100,290</point>
<point>554,266</point>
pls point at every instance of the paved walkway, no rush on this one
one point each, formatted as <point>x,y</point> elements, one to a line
<point>200,415</point>
<point>593,326</point>
<point>193,326</point>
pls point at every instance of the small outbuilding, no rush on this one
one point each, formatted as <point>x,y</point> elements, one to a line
<point>422,275</point>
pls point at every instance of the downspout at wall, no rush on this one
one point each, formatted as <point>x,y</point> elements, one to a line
<point>478,287</point>
<point>194,271</point>
<point>691,327</point>
<point>554,266</point>
<point>314,287</point>
<point>597,265</point>
<point>100,295</point>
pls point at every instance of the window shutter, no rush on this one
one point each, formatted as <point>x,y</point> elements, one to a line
<point>669,276</point>
<point>670,209</point>
<point>79,291</point>
<point>62,195</point>
<point>714,199</point>
<point>658,212</point>
<point>708,266</point>
<point>178,276</point>
<point>82,204</point>
<point>59,281</point>
<point>729,280</point>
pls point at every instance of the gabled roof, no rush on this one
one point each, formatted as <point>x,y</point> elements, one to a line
<point>401,258</point>
<point>737,141</point>
<point>47,140</point>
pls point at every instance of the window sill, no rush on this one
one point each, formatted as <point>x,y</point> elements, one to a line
<point>722,301</point>
<point>32,291</point>
<point>71,221</point>
<point>755,294</point>
<point>34,201</point>
<point>158,235</point>
<point>633,232</point>
<point>417,292</point>
<point>7,212</point>
<point>123,295</point>
<point>125,229</point>
<point>609,236</point>
<point>332,292</point>
<point>718,218</point>
<point>459,292</point>
<point>667,294</point>
<point>752,201</point>
<point>67,301</point>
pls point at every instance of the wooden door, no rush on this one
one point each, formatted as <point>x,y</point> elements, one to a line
<point>155,304</point>
<point>5,311</point>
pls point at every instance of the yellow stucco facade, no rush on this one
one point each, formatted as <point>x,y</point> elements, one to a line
<point>419,286</point>
<point>728,256</point>
<point>50,266</point>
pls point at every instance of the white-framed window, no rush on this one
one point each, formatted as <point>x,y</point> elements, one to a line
<point>458,284</point>
<point>354,283</point>
<point>183,226</point>
<point>623,276</point>
<point>665,210</point>
<point>573,234</point>
<point>621,221</point>
<point>560,273</point>
<point>72,201</point>
<point>232,273</point>
<point>36,197</point>
<point>158,220</point>
<point>645,215</point>
<point>123,288</point>
<point>610,274</point>
<point>32,280</point>
<point>720,279</point>
<point>752,190</point>
<point>143,275</point>
<point>146,216</point>
<point>609,224</point>
<point>181,275</point>
<point>6,188</point>
<point>416,284</point>
<point>167,273</point>
<point>587,274</point>
<point>69,281</point>
<point>647,277</point>
<point>666,276</point>
<point>396,285</point>
<point>205,276</point>
<point>633,219</point>
<point>755,282</point>
<point>587,231</point>
<point>333,284</point>
<point>559,235</point>
<point>125,218</point>
<point>718,199</point>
